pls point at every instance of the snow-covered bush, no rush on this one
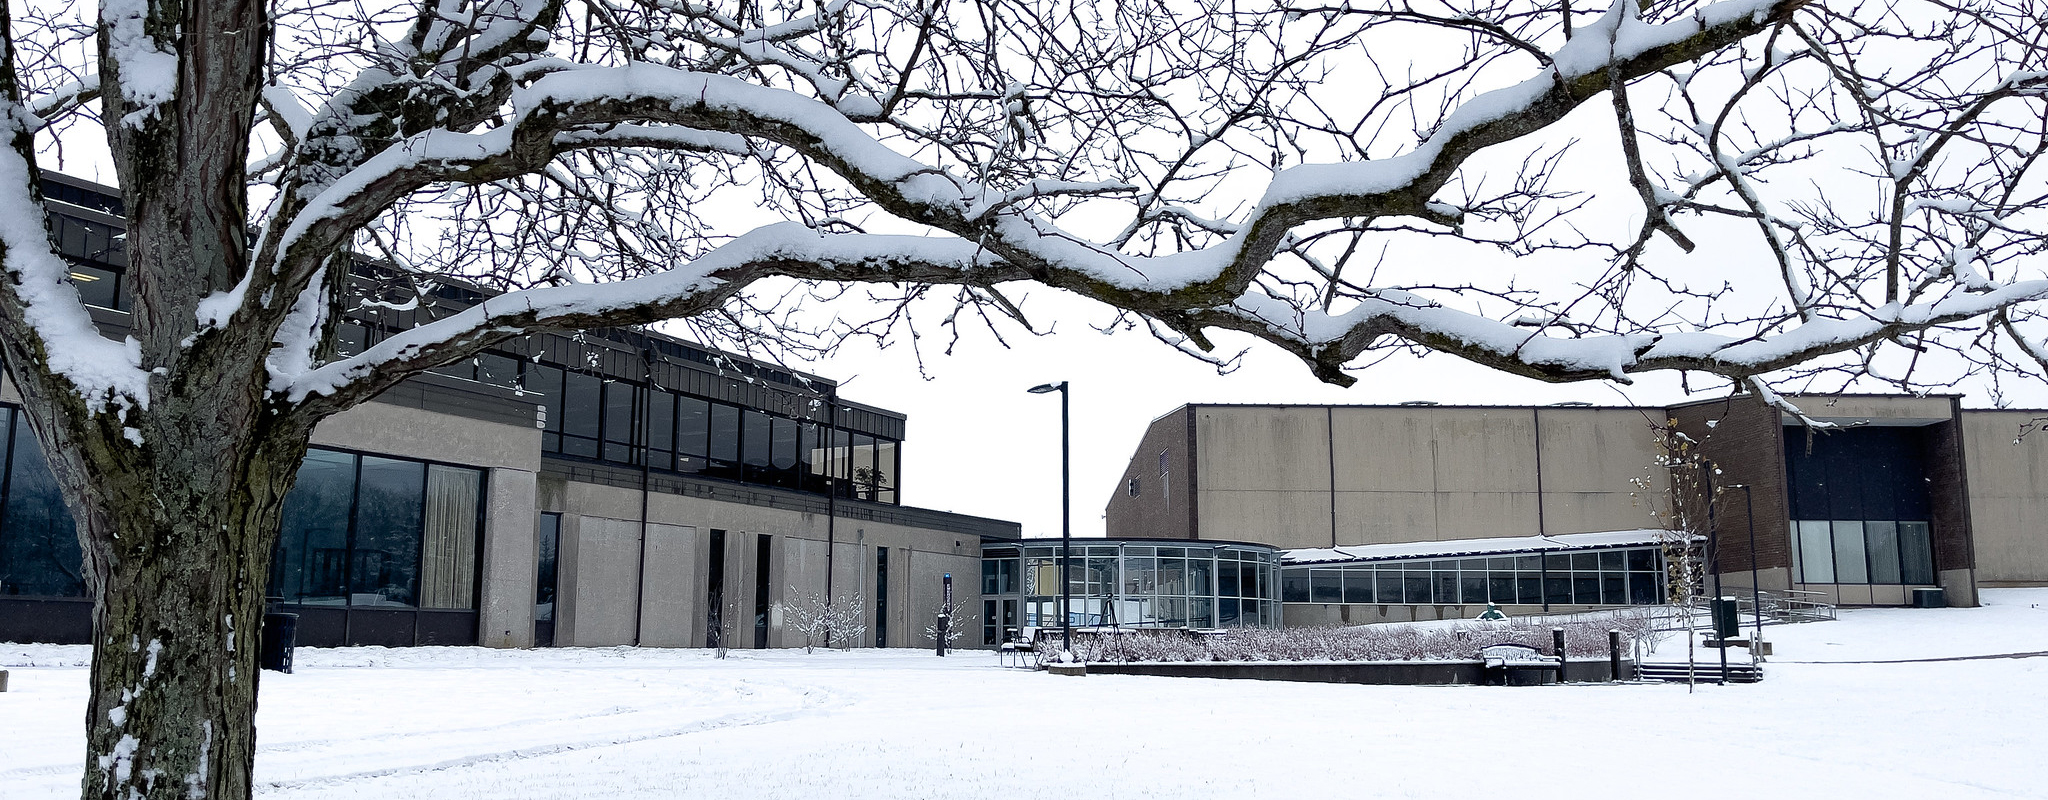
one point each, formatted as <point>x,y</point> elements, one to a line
<point>1585,637</point>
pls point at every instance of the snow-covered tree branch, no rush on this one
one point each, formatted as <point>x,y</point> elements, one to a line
<point>1758,190</point>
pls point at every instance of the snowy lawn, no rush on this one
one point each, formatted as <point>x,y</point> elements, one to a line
<point>618,724</point>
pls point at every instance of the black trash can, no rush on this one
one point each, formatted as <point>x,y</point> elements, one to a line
<point>280,636</point>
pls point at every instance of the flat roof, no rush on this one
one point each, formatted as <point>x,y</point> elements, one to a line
<point>1474,547</point>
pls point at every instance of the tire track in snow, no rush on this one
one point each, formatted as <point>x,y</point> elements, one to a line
<point>815,700</point>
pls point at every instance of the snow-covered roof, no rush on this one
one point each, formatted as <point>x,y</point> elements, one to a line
<point>1470,547</point>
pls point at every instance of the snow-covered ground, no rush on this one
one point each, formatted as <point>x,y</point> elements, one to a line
<point>618,724</point>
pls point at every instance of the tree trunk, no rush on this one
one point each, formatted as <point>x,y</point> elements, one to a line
<point>180,574</point>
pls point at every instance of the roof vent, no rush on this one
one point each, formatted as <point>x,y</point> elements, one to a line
<point>1419,402</point>
<point>1572,404</point>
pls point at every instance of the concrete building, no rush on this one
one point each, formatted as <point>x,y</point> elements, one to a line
<point>1907,492</point>
<point>611,488</point>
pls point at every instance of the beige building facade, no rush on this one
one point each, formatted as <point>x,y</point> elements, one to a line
<point>1894,493</point>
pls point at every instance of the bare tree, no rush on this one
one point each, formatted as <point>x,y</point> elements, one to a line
<point>1325,178</point>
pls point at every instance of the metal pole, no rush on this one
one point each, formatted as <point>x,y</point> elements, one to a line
<point>1756,594</point>
<point>1066,525</point>
<point>1714,559</point>
<point>831,495</point>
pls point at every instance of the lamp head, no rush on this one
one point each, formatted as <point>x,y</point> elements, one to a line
<point>1047,387</point>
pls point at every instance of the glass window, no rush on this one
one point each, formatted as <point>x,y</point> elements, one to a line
<point>725,441</point>
<point>581,413</point>
<point>1325,586</point>
<point>1528,588</point>
<point>1557,588</point>
<point>1916,554</point>
<point>1816,552</point>
<point>384,564</point>
<point>1850,563</point>
<point>810,462</point>
<point>310,564</point>
<point>885,470</point>
<point>549,532</point>
<point>1472,587</point>
<point>1201,574</point>
<point>544,384</point>
<point>1882,545</point>
<point>448,547</point>
<point>1500,587</point>
<point>1613,588</point>
<point>1416,584</point>
<point>782,450</point>
<point>621,401</point>
<point>1387,586</point>
<point>661,430</point>
<point>754,443</point>
<point>1642,560</point>
<point>1358,585</point>
<point>865,481</point>
<point>39,553</point>
<point>1445,584</point>
<point>693,427</point>
<point>497,370</point>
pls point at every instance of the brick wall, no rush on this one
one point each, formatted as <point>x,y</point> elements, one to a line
<point>1164,505</point>
<point>1747,443</point>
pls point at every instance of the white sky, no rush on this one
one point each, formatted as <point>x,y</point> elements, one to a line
<point>978,444</point>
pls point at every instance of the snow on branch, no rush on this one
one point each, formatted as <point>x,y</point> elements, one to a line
<point>785,249</point>
<point>105,374</point>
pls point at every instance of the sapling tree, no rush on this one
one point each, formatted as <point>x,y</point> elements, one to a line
<point>1862,184</point>
<point>1677,492</point>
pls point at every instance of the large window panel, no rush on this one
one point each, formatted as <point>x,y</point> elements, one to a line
<point>661,430</point>
<point>621,403</point>
<point>544,384</point>
<point>725,441</point>
<point>693,427</point>
<point>582,411</point>
<point>1851,565</point>
<point>384,567</point>
<point>754,444</point>
<point>311,561</point>
<point>39,553</point>
<point>782,451</point>
<point>1816,552</point>
<point>1881,543</point>
<point>866,482</point>
<point>1916,554</point>
<point>885,470</point>
<point>448,548</point>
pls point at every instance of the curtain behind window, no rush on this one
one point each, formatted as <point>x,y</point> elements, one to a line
<point>448,552</point>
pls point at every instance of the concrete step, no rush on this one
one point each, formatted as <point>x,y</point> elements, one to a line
<point>1704,672</point>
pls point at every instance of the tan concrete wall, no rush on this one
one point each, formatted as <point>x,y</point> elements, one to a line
<point>673,615</point>
<point>606,561</point>
<point>1409,473</point>
<point>505,612</point>
<point>1264,474</point>
<point>1591,458</point>
<point>412,433</point>
<point>2008,506</point>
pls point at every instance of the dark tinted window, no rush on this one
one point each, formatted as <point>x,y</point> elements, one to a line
<point>385,563</point>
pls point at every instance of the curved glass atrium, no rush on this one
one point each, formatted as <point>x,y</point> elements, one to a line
<point>1141,583</point>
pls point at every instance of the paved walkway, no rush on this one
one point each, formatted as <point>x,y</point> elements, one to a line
<point>2035,654</point>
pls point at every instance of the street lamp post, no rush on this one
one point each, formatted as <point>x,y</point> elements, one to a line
<point>1066,518</point>
<point>1756,595</point>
